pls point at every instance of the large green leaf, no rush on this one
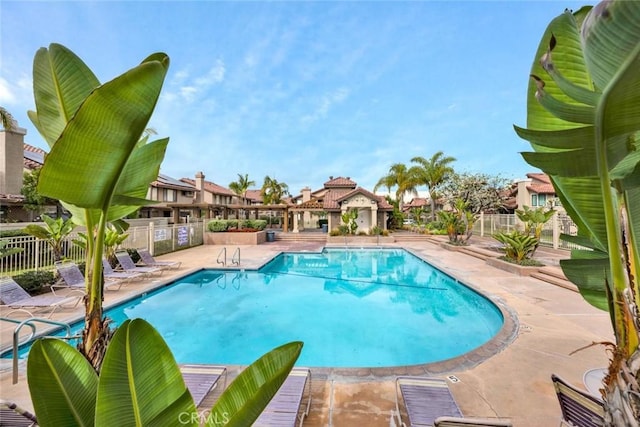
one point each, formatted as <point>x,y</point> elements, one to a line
<point>62,383</point>
<point>61,83</point>
<point>247,396</point>
<point>140,382</point>
<point>86,163</point>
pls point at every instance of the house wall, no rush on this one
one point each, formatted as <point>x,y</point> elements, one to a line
<point>11,160</point>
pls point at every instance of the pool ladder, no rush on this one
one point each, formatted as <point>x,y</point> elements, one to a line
<point>222,257</point>
<point>30,322</point>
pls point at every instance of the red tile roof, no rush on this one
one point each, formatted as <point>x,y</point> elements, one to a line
<point>33,162</point>
<point>340,182</point>
<point>211,187</point>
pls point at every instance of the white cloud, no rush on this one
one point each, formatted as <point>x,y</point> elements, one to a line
<point>215,75</point>
<point>6,94</point>
<point>325,104</point>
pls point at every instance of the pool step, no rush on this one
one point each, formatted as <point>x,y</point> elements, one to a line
<point>300,237</point>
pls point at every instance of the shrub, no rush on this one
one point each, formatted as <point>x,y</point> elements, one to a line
<point>517,245</point>
<point>35,281</point>
<point>376,230</point>
<point>218,225</point>
<point>13,233</point>
<point>335,232</point>
<point>362,233</point>
<point>259,224</point>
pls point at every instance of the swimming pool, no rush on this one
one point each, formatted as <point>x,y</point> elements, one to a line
<point>352,308</point>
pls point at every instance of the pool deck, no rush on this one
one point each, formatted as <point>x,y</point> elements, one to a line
<point>509,377</point>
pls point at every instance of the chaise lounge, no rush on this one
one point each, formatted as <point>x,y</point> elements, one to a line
<point>578,407</point>
<point>150,261</point>
<point>201,379</point>
<point>72,278</point>
<point>285,408</point>
<point>129,266</point>
<point>429,402</point>
<point>16,298</point>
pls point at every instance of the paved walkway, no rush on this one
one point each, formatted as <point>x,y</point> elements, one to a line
<point>550,323</point>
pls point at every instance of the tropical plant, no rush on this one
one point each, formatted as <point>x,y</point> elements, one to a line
<point>417,214</point>
<point>432,173</point>
<point>137,393</point>
<point>8,122</point>
<point>6,251</point>
<point>349,218</point>
<point>100,166</point>
<point>273,191</point>
<point>54,233</point>
<point>241,186</point>
<point>518,246</point>
<point>534,221</point>
<point>34,201</point>
<point>583,123</point>
<point>399,178</point>
<point>458,222</point>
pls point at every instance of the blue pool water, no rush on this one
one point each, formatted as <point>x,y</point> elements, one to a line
<point>351,308</point>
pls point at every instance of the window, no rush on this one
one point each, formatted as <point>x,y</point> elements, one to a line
<point>169,195</point>
<point>534,200</point>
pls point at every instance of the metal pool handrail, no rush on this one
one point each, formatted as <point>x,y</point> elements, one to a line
<point>29,322</point>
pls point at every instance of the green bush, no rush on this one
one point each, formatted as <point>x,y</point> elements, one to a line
<point>376,231</point>
<point>218,225</point>
<point>335,232</point>
<point>259,224</point>
<point>35,281</point>
<point>13,233</point>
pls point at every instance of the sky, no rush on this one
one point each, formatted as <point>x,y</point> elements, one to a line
<point>303,90</point>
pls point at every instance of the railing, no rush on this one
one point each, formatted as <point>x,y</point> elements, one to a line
<point>16,337</point>
<point>222,257</point>
<point>235,259</point>
<point>36,254</point>
<point>560,223</point>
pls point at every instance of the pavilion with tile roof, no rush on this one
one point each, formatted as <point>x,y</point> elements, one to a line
<point>336,197</point>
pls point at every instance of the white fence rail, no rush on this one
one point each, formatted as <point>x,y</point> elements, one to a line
<point>36,254</point>
<point>487,225</point>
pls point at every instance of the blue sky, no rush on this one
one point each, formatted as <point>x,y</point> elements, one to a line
<point>301,91</point>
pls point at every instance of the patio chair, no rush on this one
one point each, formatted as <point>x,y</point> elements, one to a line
<point>16,298</point>
<point>129,266</point>
<point>109,273</point>
<point>579,408</point>
<point>425,399</point>
<point>72,278</point>
<point>201,379</point>
<point>471,422</point>
<point>14,416</point>
<point>150,261</point>
<point>285,409</point>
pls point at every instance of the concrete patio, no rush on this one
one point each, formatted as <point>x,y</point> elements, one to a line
<point>510,378</point>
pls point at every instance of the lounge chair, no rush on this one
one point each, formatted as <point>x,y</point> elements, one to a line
<point>285,408</point>
<point>14,416</point>
<point>15,297</point>
<point>129,266</point>
<point>579,408</point>
<point>150,261</point>
<point>471,422</point>
<point>72,278</point>
<point>425,399</point>
<point>201,379</point>
<point>109,273</point>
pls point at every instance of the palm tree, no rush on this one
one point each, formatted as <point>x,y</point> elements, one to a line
<point>8,122</point>
<point>432,173</point>
<point>400,178</point>
<point>241,186</point>
<point>273,191</point>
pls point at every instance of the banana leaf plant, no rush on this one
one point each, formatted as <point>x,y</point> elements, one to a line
<point>54,233</point>
<point>140,384</point>
<point>99,166</point>
<point>583,123</point>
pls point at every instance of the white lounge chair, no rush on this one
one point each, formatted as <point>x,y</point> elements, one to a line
<point>72,278</point>
<point>150,261</point>
<point>13,296</point>
<point>129,266</point>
